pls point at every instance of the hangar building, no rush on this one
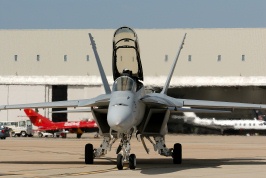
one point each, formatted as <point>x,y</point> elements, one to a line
<point>48,65</point>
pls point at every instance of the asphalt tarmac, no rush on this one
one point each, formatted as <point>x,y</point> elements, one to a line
<point>203,156</point>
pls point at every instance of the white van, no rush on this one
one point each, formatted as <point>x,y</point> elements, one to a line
<point>19,128</point>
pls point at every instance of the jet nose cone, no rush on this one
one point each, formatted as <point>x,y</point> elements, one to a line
<point>119,119</point>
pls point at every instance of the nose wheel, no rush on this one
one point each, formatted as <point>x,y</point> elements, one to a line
<point>120,162</point>
<point>126,156</point>
<point>131,161</point>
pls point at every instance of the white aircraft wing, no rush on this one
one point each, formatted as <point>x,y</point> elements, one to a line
<point>159,99</point>
<point>100,100</point>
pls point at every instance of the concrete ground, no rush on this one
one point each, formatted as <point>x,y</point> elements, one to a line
<point>203,156</point>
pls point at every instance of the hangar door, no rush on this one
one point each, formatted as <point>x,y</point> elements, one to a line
<point>59,93</point>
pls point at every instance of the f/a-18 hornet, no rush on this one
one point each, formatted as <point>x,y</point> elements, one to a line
<point>127,109</point>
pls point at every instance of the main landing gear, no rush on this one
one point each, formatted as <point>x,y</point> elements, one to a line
<point>159,145</point>
<point>124,147</point>
<point>89,154</point>
<point>177,153</point>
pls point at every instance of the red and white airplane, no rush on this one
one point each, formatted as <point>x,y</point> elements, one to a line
<point>45,124</point>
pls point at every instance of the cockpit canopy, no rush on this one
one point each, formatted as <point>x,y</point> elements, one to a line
<point>126,53</point>
<point>124,83</point>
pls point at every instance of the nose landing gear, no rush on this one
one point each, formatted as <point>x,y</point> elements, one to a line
<point>126,157</point>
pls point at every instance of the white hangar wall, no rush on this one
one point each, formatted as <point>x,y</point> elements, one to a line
<point>15,94</point>
<point>68,52</point>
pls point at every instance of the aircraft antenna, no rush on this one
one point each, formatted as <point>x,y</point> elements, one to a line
<point>100,67</point>
<point>166,85</point>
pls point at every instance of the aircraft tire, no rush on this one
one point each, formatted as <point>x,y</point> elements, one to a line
<point>132,161</point>
<point>177,154</point>
<point>119,163</point>
<point>89,153</point>
<point>79,135</point>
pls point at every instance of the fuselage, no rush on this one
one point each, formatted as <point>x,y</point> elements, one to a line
<point>44,123</point>
<point>125,109</point>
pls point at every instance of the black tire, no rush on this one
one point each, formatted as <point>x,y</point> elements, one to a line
<point>177,154</point>
<point>89,155</point>
<point>23,134</point>
<point>79,135</point>
<point>132,161</point>
<point>119,162</point>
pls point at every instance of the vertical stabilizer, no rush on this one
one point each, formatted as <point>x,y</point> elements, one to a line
<point>166,85</point>
<point>100,67</point>
<point>37,119</point>
<point>259,115</point>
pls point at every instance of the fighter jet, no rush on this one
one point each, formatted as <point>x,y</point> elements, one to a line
<point>127,110</point>
<point>46,125</point>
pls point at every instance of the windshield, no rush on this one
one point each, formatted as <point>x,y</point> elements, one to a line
<point>124,84</point>
<point>22,123</point>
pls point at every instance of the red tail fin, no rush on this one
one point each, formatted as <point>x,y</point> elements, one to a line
<point>37,119</point>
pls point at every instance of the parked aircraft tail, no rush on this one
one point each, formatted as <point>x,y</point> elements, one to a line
<point>260,115</point>
<point>37,119</point>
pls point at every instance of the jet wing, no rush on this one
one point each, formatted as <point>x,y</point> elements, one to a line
<point>101,100</point>
<point>159,99</point>
<point>73,111</point>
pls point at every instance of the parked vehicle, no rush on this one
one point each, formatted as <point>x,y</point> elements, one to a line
<point>4,132</point>
<point>19,128</point>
